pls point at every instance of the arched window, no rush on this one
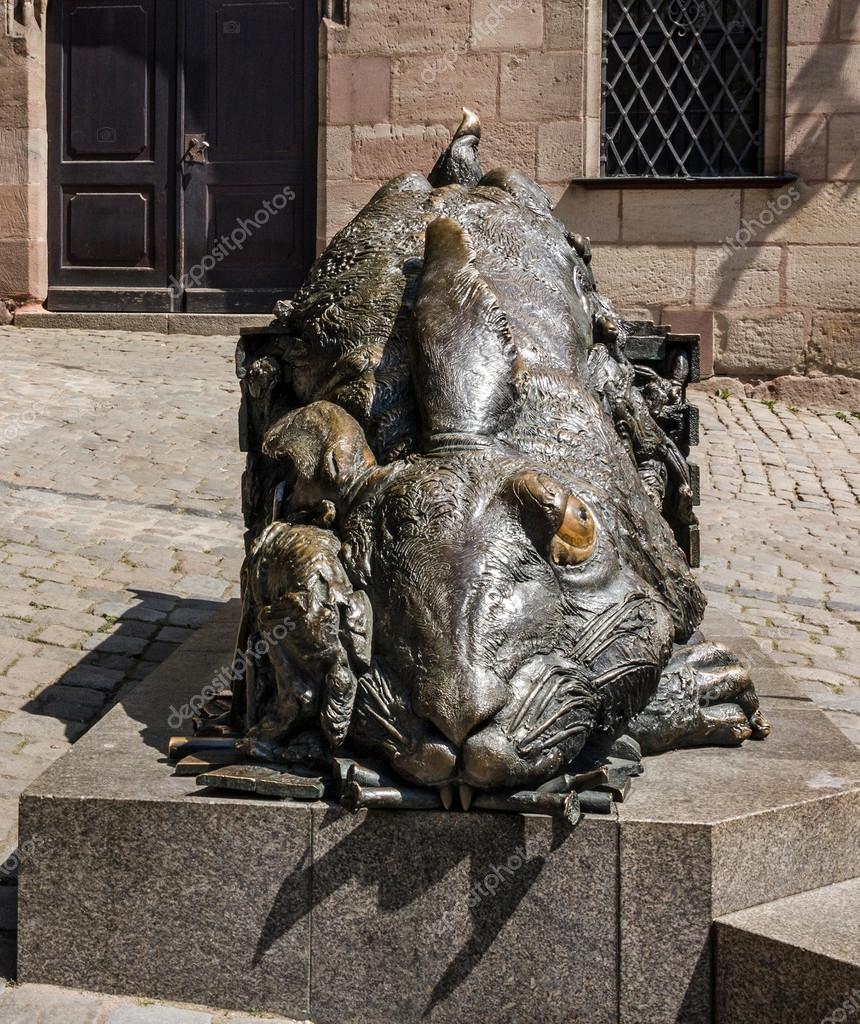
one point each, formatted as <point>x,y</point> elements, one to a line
<point>683,87</point>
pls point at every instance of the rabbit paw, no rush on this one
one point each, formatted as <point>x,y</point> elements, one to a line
<point>705,696</point>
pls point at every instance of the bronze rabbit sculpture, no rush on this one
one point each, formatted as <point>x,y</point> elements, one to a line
<point>456,512</point>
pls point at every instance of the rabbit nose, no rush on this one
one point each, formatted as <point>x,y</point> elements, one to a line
<point>457,704</point>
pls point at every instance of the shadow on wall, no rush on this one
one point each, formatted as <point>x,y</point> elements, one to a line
<point>806,83</point>
<point>736,258</point>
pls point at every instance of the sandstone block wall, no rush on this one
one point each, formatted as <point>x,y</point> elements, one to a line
<point>395,78</point>
<point>23,162</point>
<point>769,277</point>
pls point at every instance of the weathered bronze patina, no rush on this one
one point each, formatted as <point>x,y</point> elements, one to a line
<point>462,576</point>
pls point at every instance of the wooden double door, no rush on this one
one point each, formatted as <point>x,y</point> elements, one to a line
<point>182,166</point>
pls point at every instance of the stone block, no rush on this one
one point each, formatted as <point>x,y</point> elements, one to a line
<point>148,895</point>
<point>509,144</point>
<point>823,276</point>
<point>382,917</point>
<point>806,146</point>
<point>834,346</point>
<point>506,25</point>
<point>23,156</point>
<point>432,88</point>
<point>383,150</point>
<point>343,202</point>
<point>544,85</point>
<point>14,91</point>
<point>826,213</point>
<point>130,1014</point>
<point>664,215</point>
<point>150,323</point>
<point>822,79</point>
<point>559,155</point>
<point>644,275</point>
<point>595,213</point>
<point>392,27</point>
<point>738,277</point>
<point>849,21</point>
<point>18,267</point>
<point>791,961</point>
<point>359,90</point>
<point>338,152</point>
<point>816,391</point>
<point>681,867</point>
<point>555,190</point>
<point>223,921</point>
<point>475,929</point>
<point>764,345</point>
<point>564,24</point>
<point>843,153</point>
<point>813,21</point>
<point>213,324</point>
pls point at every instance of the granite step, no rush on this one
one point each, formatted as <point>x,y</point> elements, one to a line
<point>792,961</point>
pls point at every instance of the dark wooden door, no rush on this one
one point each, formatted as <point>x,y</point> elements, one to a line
<point>111,102</point>
<point>249,136</point>
<point>138,221</point>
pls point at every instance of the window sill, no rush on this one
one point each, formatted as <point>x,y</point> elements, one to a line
<point>760,181</point>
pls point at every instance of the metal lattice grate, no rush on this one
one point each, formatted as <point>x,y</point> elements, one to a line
<point>682,88</point>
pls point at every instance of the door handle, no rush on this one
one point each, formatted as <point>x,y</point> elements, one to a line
<point>195,149</point>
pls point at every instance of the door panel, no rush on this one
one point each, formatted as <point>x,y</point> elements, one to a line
<point>249,210</point>
<point>111,65</point>
<point>107,121</point>
<point>133,225</point>
<point>108,229</point>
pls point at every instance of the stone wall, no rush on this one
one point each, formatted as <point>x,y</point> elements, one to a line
<point>23,157</point>
<point>776,274</point>
<point>396,77</point>
<point>770,278</point>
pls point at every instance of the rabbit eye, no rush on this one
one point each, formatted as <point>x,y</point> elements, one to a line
<point>558,522</point>
<point>576,538</point>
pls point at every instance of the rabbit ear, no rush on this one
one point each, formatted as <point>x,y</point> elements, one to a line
<point>465,362</point>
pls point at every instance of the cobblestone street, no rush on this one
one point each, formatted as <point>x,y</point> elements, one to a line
<point>119,525</point>
<point>780,525</point>
<point>120,532</point>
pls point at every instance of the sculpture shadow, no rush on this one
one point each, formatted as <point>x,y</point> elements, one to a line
<point>367,853</point>
<point>134,645</point>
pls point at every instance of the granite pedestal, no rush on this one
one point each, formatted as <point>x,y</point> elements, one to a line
<point>144,884</point>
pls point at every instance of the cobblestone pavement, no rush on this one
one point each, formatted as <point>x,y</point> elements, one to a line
<point>120,532</point>
<point>781,538</point>
<point>119,524</point>
<point>44,1004</point>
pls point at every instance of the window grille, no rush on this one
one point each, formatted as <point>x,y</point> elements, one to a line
<point>683,82</point>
